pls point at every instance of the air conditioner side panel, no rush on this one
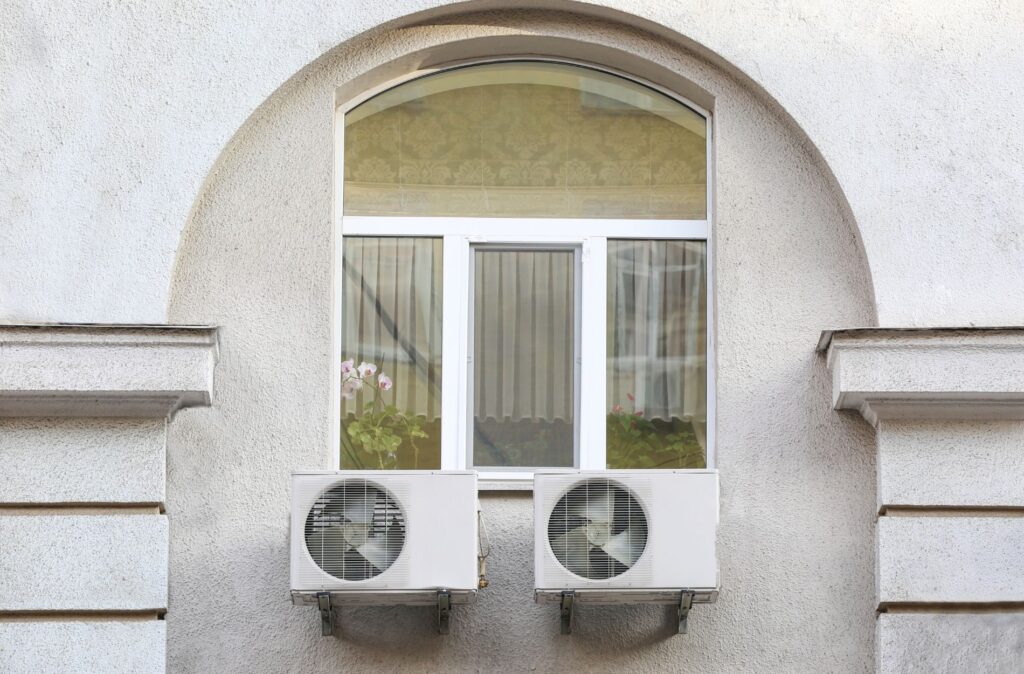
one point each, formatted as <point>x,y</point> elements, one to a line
<point>442,541</point>
<point>685,524</point>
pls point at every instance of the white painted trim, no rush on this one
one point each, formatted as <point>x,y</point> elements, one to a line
<point>337,213</point>
<point>454,352</point>
<point>516,230</point>
<point>710,458</point>
<point>593,354</point>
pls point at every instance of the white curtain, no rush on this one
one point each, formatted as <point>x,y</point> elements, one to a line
<point>524,328</point>
<point>524,335</point>
<point>657,330</point>
<point>391,316</point>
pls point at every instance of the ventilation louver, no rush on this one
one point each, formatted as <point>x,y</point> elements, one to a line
<point>355,530</point>
<point>597,530</point>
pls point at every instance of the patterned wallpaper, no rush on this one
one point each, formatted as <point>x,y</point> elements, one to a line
<point>513,149</point>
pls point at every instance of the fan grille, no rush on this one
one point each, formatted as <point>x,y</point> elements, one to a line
<point>597,530</point>
<point>355,530</point>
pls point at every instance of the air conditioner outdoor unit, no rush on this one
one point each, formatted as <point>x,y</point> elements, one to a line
<point>609,537</point>
<point>383,537</point>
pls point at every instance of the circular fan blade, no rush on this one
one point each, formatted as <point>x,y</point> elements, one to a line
<point>382,550</point>
<point>354,533</point>
<point>330,538</point>
<point>626,547</point>
<point>573,550</point>
<point>358,508</point>
<point>599,506</point>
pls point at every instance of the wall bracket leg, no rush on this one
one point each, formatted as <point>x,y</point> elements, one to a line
<point>326,614</point>
<point>685,604</point>
<point>567,610</point>
<point>444,611</point>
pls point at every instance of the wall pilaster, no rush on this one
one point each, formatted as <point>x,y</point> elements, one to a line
<point>83,532</point>
<point>948,409</point>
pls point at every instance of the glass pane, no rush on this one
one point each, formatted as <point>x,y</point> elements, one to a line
<point>522,139</point>
<point>657,357</point>
<point>391,351</point>
<point>524,355</point>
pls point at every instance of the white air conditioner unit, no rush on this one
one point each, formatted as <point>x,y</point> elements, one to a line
<point>383,537</point>
<point>608,537</point>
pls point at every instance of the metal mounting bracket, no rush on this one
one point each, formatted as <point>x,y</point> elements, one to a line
<point>326,614</point>
<point>685,604</point>
<point>567,609</point>
<point>444,611</point>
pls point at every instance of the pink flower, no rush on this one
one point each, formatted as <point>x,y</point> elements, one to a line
<point>639,413</point>
<point>617,409</point>
<point>348,390</point>
<point>630,396</point>
<point>347,366</point>
<point>366,370</point>
<point>384,382</point>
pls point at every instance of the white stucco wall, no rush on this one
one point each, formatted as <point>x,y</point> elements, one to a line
<point>798,485</point>
<point>113,115</point>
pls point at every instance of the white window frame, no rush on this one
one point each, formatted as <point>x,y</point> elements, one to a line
<point>459,234</point>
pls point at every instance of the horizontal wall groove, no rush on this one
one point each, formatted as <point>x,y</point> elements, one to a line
<point>952,607</point>
<point>81,616</point>
<point>950,511</point>
<point>16,509</point>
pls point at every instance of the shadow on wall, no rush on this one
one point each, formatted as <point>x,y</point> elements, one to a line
<point>506,606</point>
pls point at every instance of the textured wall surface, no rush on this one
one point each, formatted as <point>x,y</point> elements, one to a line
<point>103,647</point>
<point>798,485</point>
<point>963,642</point>
<point>47,460</point>
<point>950,559</point>
<point>911,104</point>
<point>119,563</point>
<point>944,463</point>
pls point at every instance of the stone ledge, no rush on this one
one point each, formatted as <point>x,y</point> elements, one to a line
<point>81,646</point>
<point>908,643</point>
<point>949,560</point>
<point>83,562</point>
<point>927,373</point>
<point>105,371</point>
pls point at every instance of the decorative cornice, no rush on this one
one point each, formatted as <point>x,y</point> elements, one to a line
<point>105,370</point>
<point>928,373</point>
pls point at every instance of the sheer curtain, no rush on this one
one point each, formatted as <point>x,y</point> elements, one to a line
<point>391,317</point>
<point>657,331</point>
<point>524,354</point>
<point>523,337</point>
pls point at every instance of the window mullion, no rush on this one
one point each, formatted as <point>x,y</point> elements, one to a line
<point>454,354</point>
<point>593,353</point>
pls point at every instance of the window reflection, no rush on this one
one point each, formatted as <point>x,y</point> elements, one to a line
<point>657,358</point>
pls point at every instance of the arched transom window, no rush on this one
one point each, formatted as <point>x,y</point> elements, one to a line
<point>524,274</point>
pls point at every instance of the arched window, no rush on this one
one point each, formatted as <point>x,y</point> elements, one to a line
<point>524,258</point>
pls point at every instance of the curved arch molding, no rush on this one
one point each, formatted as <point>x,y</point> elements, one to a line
<point>879,98</point>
